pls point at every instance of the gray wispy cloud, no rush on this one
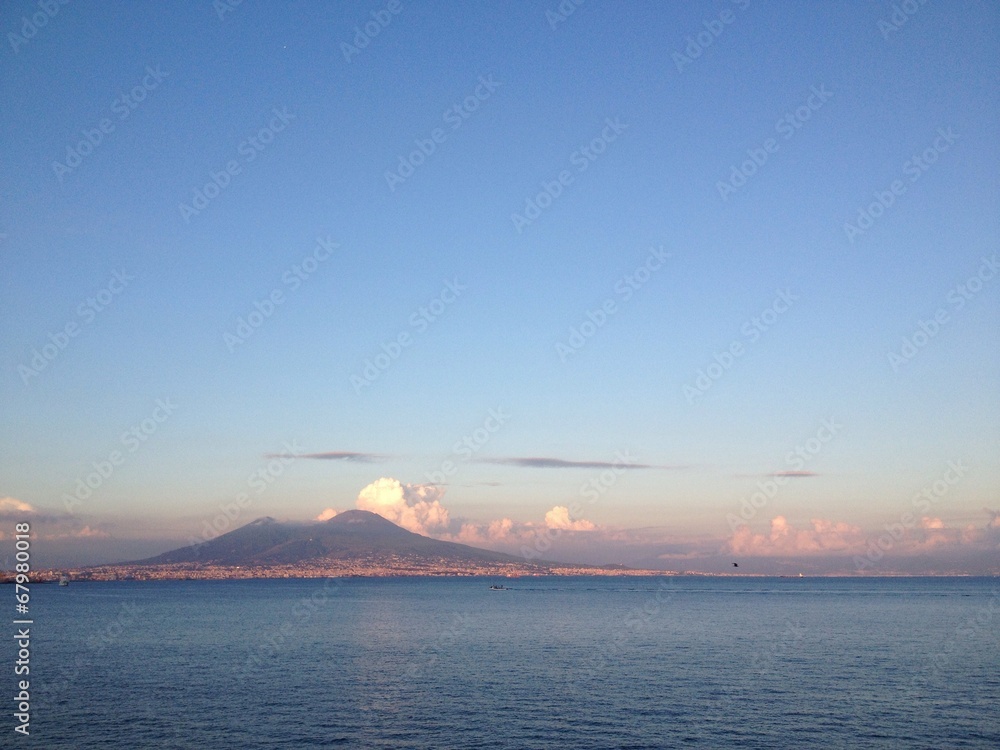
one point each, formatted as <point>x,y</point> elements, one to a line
<point>542,462</point>
<point>353,456</point>
<point>786,473</point>
<point>529,462</point>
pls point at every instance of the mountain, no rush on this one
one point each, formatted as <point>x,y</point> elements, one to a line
<point>354,535</point>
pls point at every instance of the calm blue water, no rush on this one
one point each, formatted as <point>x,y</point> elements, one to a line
<point>555,662</point>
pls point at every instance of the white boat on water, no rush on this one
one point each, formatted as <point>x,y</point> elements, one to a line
<point>64,580</point>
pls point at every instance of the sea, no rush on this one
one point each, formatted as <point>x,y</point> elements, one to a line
<point>551,662</point>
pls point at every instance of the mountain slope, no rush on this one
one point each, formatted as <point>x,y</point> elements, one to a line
<point>352,535</point>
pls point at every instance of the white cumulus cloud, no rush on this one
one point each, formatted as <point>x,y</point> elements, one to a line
<point>559,518</point>
<point>785,539</point>
<point>500,531</point>
<point>12,506</point>
<point>326,515</point>
<point>415,507</point>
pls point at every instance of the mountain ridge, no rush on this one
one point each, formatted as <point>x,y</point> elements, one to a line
<point>351,535</point>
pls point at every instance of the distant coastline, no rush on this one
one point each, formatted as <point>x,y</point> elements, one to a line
<point>209,572</point>
<point>106,573</point>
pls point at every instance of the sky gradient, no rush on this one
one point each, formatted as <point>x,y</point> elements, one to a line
<point>493,253</point>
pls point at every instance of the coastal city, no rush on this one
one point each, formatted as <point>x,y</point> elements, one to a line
<point>375,567</point>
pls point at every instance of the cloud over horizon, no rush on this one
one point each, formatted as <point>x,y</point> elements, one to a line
<point>559,518</point>
<point>12,509</point>
<point>784,539</point>
<point>418,508</point>
<point>415,507</point>
<point>920,536</point>
<point>507,535</point>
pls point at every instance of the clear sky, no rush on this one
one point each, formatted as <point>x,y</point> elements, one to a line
<point>692,237</point>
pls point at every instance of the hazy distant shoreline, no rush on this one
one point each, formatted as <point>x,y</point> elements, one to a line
<point>103,575</point>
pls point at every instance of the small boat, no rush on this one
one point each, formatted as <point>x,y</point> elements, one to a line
<point>63,580</point>
<point>501,587</point>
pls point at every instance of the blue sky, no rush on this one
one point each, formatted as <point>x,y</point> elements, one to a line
<point>535,97</point>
